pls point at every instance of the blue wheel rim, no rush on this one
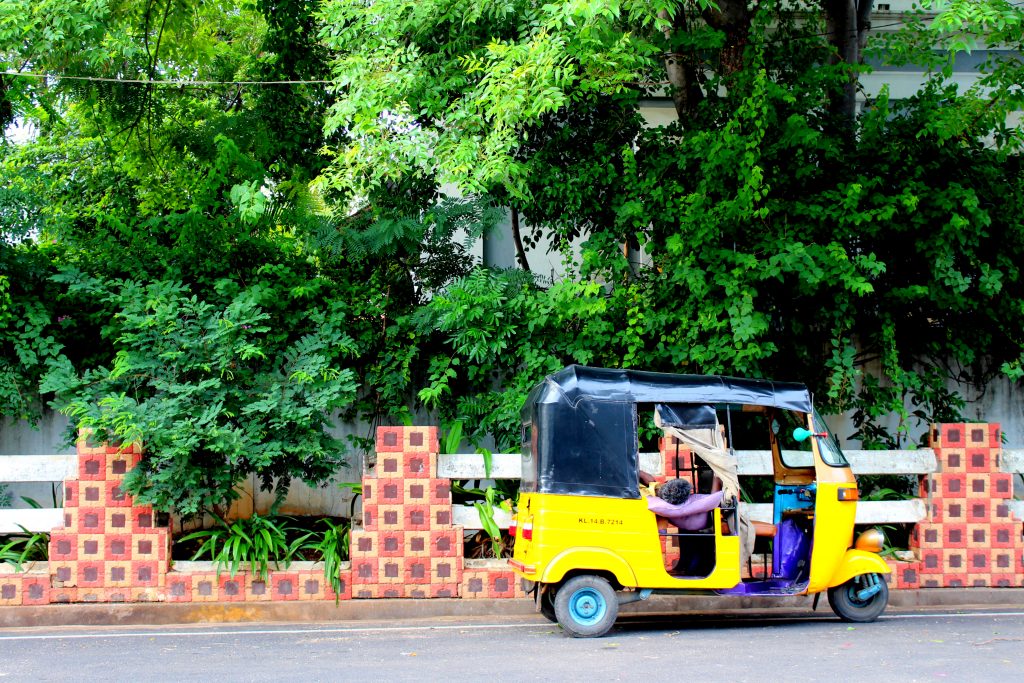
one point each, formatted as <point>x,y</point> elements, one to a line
<point>587,606</point>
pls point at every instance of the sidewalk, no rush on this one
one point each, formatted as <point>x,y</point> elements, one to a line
<point>161,614</point>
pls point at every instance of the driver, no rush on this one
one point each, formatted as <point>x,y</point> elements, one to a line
<point>686,510</point>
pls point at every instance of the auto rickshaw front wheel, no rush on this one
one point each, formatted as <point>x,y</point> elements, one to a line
<point>863,598</point>
<point>586,606</point>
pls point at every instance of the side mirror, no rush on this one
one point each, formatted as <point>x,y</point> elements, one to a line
<point>801,434</point>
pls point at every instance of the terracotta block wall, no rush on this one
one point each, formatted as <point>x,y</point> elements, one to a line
<point>970,538</point>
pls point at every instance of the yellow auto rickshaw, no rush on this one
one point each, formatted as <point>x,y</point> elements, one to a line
<point>590,540</point>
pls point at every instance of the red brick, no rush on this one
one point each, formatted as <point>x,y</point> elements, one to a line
<point>421,440</point>
<point>952,435</point>
<point>117,520</point>
<point>954,486</point>
<point>441,516</point>
<point>421,465</point>
<point>92,466</point>
<point>256,588</point>
<point>389,466</point>
<point>954,536</point>
<point>390,518</point>
<point>1000,512</point>
<point>91,520</point>
<point>390,440</point>
<point>71,493</point>
<point>417,517</point>
<point>179,587</point>
<point>955,580</point>
<point>1004,580</point>
<point>231,588</point>
<point>1001,560</point>
<point>364,544</point>
<point>446,543</point>
<point>1004,535</point>
<point>978,561</point>
<point>146,573</point>
<point>64,572</point>
<point>978,486</point>
<point>114,496</point>
<point>951,460</point>
<point>954,511</point>
<point>117,546</point>
<point>440,492</point>
<point>417,570</point>
<point>980,460</point>
<point>417,492</point>
<point>978,580</point>
<point>369,493</point>
<point>143,520</point>
<point>204,588</point>
<point>364,571</point>
<point>1002,485</point>
<point>314,586</point>
<point>954,561</point>
<point>908,575</point>
<point>284,586</point>
<point>90,546</point>
<point>445,569</point>
<point>418,543</point>
<point>391,492</point>
<point>60,595</point>
<point>442,590</point>
<point>365,591</point>
<point>978,535</point>
<point>928,535</point>
<point>369,517</point>
<point>391,544</point>
<point>977,434</point>
<point>119,574</point>
<point>91,574</point>
<point>35,590</point>
<point>977,511</point>
<point>63,546</point>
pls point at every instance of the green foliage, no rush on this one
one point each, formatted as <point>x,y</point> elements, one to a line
<point>216,391</point>
<point>256,542</point>
<point>17,549</point>
<point>331,546</point>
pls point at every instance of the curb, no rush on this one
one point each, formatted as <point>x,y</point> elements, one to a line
<point>163,614</point>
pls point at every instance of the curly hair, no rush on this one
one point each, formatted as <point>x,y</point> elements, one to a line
<point>675,491</point>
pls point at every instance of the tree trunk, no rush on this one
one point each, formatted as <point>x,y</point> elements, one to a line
<point>732,18</point>
<point>848,22</point>
<point>682,69</point>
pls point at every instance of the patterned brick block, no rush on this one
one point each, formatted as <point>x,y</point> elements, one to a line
<point>418,543</point>
<point>90,546</point>
<point>204,588</point>
<point>61,595</point>
<point>91,574</point>
<point>978,511</point>
<point>142,520</point>
<point>951,460</point>
<point>63,546</point>
<point>953,561</point>
<point>953,511</point>
<point>391,570</point>
<point>91,520</point>
<point>92,466</point>
<point>954,536</point>
<point>369,516</point>
<point>118,520</point>
<point>978,434</point>
<point>71,493</point>
<point>369,494</point>
<point>446,570</point>
<point>441,516</point>
<point>10,590</point>
<point>1004,580</point>
<point>120,463</point>
<point>256,589</point>
<point>114,496</point>
<point>389,466</point>
<point>978,486</point>
<point>927,535</point>
<point>35,590</point>
<point>284,586</point>
<point>231,588</point>
<point>954,486</point>
<point>439,492</point>
<point>365,592</point>
<point>908,575</point>
<point>1004,535</point>
<point>153,546</point>
<point>1002,485</point>
<point>344,590</point>
<point>422,465</point>
<point>954,580</point>
<point>980,460</point>
<point>417,570</point>
<point>446,543</point>
<point>1002,560</point>
<point>441,590</point>
<point>64,572</point>
<point>420,440</point>
<point>978,561</point>
<point>390,518</point>
<point>999,512</point>
<point>117,546</point>
<point>119,574</point>
<point>931,581</point>
<point>978,535</point>
<point>978,580</point>
<point>179,587</point>
<point>364,571</point>
<point>392,544</point>
<point>417,517</point>
<point>147,594</point>
<point>363,544</point>
<point>390,439</point>
<point>313,586</point>
<point>391,492</point>
<point>418,491</point>
<point>951,436</point>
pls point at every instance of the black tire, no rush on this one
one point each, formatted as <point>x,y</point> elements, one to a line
<point>547,603</point>
<point>848,607</point>
<point>586,606</point>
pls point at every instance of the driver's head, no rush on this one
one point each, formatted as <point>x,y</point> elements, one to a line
<point>675,491</point>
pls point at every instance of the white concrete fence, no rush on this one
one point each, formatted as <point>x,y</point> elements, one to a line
<point>55,468</point>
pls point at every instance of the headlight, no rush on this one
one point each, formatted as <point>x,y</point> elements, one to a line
<point>871,540</point>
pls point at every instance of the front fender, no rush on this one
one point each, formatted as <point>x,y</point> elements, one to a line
<point>597,559</point>
<point>856,562</point>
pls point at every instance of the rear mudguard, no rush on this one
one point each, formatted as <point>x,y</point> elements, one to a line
<point>594,560</point>
<point>856,562</point>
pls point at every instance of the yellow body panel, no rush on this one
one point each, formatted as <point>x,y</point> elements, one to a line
<point>614,535</point>
<point>857,562</point>
<point>833,534</point>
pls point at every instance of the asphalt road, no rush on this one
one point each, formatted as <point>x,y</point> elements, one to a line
<point>902,646</point>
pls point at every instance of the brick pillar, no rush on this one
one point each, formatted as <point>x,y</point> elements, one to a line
<point>109,549</point>
<point>407,546</point>
<point>970,538</point>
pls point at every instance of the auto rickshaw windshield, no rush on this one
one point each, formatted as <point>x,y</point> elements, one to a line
<point>828,445</point>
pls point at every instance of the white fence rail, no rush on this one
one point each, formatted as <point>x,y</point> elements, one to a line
<point>751,463</point>
<point>34,468</point>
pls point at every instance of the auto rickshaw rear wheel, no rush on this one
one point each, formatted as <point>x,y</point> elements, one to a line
<point>547,603</point>
<point>846,601</point>
<point>586,606</point>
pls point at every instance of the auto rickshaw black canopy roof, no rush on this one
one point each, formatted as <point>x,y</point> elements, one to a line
<point>580,424</point>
